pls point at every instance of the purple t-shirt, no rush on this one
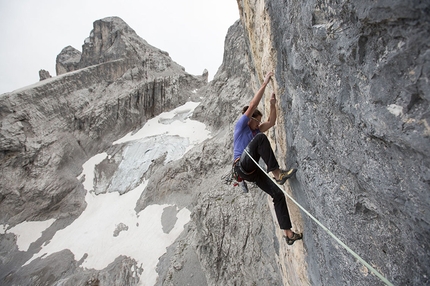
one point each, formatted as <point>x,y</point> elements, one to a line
<point>242,136</point>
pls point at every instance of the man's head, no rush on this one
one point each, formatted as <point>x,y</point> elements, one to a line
<point>255,120</point>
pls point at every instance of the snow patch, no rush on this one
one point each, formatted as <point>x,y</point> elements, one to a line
<point>29,231</point>
<point>140,235</point>
<point>88,170</point>
<point>93,233</point>
<point>172,123</point>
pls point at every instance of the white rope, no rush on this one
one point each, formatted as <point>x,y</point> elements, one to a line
<point>373,270</point>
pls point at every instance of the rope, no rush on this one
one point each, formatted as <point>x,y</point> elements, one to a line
<point>373,270</point>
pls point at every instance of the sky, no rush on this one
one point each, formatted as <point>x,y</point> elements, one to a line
<point>33,32</point>
<point>144,238</point>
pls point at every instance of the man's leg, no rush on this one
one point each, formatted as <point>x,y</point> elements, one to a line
<point>259,147</point>
<point>281,208</point>
<point>279,201</point>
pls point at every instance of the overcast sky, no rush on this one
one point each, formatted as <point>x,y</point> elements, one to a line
<point>33,32</point>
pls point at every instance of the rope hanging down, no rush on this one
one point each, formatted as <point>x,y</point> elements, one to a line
<point>373,270</point>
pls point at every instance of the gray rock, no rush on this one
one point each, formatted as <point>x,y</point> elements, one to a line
<point>49,271</point>
<point>356,109</point>
<point>68,60</point>
<point>120,227</point>
<point>48,130</point>
<point>43,74</point>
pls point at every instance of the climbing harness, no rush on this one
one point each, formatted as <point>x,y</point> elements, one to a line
<point>233,170</point>
<point>362,261</point>
<point>233,175</point>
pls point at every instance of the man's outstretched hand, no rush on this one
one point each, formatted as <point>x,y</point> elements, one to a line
<point>273,99</point>
<point>268,77</point>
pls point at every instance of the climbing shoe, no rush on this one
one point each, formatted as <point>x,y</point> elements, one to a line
<point>285,175</point>
<point>296,236</point>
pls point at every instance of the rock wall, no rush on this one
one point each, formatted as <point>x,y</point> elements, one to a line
<point>352,78</point>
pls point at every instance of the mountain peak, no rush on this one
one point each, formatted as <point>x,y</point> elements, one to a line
<point>112,39</point>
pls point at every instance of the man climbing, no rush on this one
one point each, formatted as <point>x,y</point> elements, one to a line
<point>248,136</point>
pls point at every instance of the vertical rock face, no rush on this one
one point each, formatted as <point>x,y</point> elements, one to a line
<point>354,96</point>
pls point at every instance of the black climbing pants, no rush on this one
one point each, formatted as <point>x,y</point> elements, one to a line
<point>259,147</point>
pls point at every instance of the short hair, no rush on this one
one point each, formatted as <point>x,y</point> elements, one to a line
<point>255,114</point>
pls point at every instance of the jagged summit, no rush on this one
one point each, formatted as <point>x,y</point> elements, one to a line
<point>68,60</point>
<point>113,39</point>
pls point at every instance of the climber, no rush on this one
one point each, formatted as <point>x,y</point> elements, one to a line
<point>247,134</point>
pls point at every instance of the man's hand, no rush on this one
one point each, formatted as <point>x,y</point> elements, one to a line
<point>268,77</point>
<point>257,97</point>
<point>273,99</point>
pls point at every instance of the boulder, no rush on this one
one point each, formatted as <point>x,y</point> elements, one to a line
<point>43,74</point>
<point>68,60</point>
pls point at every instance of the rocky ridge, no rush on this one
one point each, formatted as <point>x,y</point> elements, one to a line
<point>84,110</point>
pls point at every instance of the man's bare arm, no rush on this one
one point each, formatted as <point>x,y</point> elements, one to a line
<point>272,116</point>
<point>257,97</point>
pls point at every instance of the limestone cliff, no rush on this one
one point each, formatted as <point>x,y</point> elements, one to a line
<point>352,79</point>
